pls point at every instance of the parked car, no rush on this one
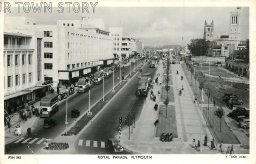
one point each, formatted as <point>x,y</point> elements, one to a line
<point>107,72</point>
<point>233,102</point>
<point>49,122</point>
<point>244,123</point>
<point>98,77</point>
<point>227,96</point>
<point>114,146</point>
<point>238,113</point>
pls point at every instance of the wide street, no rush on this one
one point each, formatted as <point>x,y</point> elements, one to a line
<point>79,101</point>
<point>105,126</point>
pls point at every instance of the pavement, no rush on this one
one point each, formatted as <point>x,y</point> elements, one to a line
<point>190,124</point>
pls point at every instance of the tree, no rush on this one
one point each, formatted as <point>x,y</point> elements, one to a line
<point>166,102</point>
<point>219,113</point>
<point>199,47</point>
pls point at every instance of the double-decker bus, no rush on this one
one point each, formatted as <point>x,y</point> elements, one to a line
<point>49,105</point>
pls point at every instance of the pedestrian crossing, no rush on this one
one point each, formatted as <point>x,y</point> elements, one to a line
<point>91,143</point>
<point>29,140</point>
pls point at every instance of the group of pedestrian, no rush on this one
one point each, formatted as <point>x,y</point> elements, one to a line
<point>7,121</point>
<point>196,145</point>
<point>152,96</point>
<point>230,150</point>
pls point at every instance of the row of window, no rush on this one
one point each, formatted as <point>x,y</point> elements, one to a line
<point>17,59</point>
<point>48,45</point>
<point>64,24</point>
<point>114,34</point>
<point>116,49</point>
<point>17,79</point>
<point>77,65</point>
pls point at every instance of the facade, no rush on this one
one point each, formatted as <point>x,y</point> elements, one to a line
<point>116,35</point>
<point>74,48</point>
<point>22,66</point>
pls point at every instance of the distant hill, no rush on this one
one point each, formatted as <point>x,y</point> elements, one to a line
<point>164,47</point>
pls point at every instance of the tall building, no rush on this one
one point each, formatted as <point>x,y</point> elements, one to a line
<point>22,65</point>
<point>234,25</point>
<point>208,31</point>
<point>74,48</point>
<point>116,35</point>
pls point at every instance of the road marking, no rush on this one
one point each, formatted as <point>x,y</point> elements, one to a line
<point>25,141</point>
<point>95,143</point>
<point>40,141</point>
<point>102,144</point>
<point>88,143</point>
<point>80,143</point>
<point>33,141</point>
<point>19,140</point>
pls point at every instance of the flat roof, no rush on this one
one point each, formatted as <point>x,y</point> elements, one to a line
<point>17,34</point>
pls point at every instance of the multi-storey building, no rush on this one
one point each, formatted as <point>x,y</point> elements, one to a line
<point>116,35</point>
<point>22,66</point>
<point>74,48</point>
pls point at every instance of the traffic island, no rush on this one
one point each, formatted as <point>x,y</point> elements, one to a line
<point>167,121</point>
<point>164,94</point>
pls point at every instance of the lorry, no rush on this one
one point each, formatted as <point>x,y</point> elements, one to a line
<point>143,87</point>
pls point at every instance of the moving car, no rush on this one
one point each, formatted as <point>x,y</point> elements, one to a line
<point>113,145</point>
<point>75,113</point>
<point>48,123</point>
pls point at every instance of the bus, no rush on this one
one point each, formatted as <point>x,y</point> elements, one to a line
<point>49,105</point>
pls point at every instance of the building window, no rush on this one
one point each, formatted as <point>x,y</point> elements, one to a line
<point>30,77</point>
<point>17,80</point>
<point>68,24</point>
<point>68,66</point>
<point>16,59</point>
<point>47,65</point>
<point>47,55</point>
<point>73,65</point>
<point>82,64</point>
<point>85,64</point>
<point>23,59</point>
<point>9,60</point>
<point>208,29</point>
<point>30,59</point>
<point>63,24</point>
<point>47,33</point>
<point>72,24</point>
<point>48,44</point>
<point>114,49</point>
<point>77,65</point>
<point>23,78</point>
<point>9,81</point>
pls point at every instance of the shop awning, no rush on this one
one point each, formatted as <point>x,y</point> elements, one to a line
<point>17,94</point>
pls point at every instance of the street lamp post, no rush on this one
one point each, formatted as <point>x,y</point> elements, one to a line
<point>66,121</point>
<point>113,80</point>
<point>103,89</point>
<point>120,75</point>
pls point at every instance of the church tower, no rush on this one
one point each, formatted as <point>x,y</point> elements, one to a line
<point>208,31</point>
<point>234,25</point>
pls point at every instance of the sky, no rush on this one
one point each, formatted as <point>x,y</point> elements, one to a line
<point>158,26</point>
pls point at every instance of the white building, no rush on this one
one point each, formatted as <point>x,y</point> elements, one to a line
<point>74,48</point>
<point>116,35</point>
<point>22,64</point>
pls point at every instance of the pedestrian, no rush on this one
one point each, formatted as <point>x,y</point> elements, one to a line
<point>213,102</point>
<point>195,100</point>
<point>220,146</point>
<point>232,149</point>
<point>180,92</point>
<point>228,150</point>
<point>194,143</point>
<point>205,141</point>
<point>213,145</point>
<point>198,144</point>
<point>182,88</point>
<point>46,144</point>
